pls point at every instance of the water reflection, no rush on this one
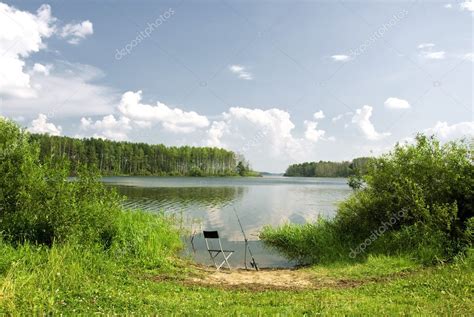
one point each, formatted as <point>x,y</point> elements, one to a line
<point>177,199</point>
<point>207,204</point>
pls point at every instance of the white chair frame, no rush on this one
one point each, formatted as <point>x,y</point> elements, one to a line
<point>213,253</point>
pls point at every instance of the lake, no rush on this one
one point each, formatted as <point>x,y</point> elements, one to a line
<point>208,204</point>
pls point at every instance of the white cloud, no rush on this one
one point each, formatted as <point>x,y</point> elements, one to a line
<point>216,132</point>
<point>172,119</point>
<point>241,72</point>
<point>312,133</point>
<point>448,132</point>
<point>21,33</point>
<point>425,45</point>
<point>469,57</point>
<point>263,136</point>
<point>362,120</point>
<point>41,125</point>
<point>339,117</point>
<point>341,58</point>
<point>77,32</point>
<point>107,128</point>
<point>448,6</point>
<point>428,52</point>
<point>434,55</point>
<point>319,115</point>
<point>396,103</point>
<point>42,69</point>
<point>266,137</point>
<point>467,5</point>
<point>67,91</point>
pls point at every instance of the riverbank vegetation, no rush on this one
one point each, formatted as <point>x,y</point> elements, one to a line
<point>417,200</point>
<point>126,158</point>
<point>328,169</point>
<point>68,248</point>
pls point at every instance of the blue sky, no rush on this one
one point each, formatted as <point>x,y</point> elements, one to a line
<point>278,81</point>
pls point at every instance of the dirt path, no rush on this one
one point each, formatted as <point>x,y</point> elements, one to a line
<point>266,279</point>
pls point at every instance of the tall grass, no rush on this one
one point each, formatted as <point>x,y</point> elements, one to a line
<point>40,279</point>
<point>317,242</point>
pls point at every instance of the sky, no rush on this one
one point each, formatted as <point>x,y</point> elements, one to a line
<point>280,82</point>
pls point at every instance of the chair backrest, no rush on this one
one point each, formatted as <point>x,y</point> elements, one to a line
<point>211,234</point>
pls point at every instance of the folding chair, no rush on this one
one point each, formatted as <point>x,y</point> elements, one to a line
<point>214,252</point>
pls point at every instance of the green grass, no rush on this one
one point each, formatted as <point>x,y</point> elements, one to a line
<point>68,279</point>
<point>374,267</point>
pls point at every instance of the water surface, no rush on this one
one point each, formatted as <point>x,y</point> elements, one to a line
<point>208,204</point>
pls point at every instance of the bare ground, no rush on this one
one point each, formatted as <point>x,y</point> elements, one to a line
<point>266,279</point>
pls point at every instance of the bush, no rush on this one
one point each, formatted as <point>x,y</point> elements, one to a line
<point>417,199</point>
<point>39,204</point>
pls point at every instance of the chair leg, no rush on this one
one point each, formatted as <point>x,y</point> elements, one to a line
<point>213,258</point>
<point>226,258</point>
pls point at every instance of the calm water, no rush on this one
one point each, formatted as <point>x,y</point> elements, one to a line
<point>207,204</point>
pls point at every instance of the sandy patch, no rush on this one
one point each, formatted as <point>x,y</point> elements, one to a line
<point>265,279</point>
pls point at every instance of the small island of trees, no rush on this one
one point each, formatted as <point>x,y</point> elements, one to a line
<point>328,169</point>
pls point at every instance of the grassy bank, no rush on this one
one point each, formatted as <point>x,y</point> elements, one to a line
<point>70,280</point>
<point>68,247</point>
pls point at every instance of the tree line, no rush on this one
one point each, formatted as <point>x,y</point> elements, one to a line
<point>126,158</point>
<point>328,169</point>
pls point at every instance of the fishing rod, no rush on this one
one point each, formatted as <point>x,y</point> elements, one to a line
<point>253,263</point>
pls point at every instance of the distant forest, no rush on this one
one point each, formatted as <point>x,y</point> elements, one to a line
<point>125,158</point>
<point>328,169</point>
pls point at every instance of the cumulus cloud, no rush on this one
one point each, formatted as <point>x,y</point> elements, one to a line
<point>467,5</point>
<point>172,119</point>
<point>341,58</point>
<point>216,132</point>
<point>448,132</point>
<point>42,69</point>
<point>448,6</point>
<point>69,90</point>
<point>74,33</point>
<point>396,103</point>
<point>362,120</point>
<point>107,128</point>
<point>263,136</point>
<point>312,133</point>
<point>21,33</point>
<point>319,115</point>
<point>41,125</point>
<point>241,72</point>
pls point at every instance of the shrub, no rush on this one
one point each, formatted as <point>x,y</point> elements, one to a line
<point>38,203</point>
<point>430,185</point>
<point>417,199</point>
